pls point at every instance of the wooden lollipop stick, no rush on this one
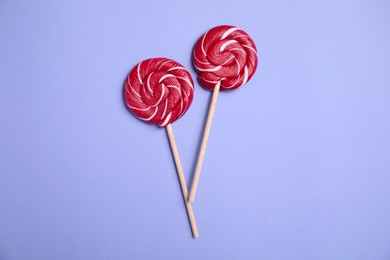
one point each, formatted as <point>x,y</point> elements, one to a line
<point>182,181</point>
<point>205,139</point>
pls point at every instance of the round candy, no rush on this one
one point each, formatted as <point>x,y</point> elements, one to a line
<point>227,54</point>
<point>159,91</point>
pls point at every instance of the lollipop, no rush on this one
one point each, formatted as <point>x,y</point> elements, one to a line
<point>160,91</point>
<point>225,58</point>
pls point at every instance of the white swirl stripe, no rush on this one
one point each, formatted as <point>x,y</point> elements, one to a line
<point>211,69</point>
<point>223,46</point>
<point>139,73</point>
<point>165,76</point>
<point>228,32</point>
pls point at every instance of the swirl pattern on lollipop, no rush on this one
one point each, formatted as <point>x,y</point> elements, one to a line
<point>227,54</point>
<point>159,91</point>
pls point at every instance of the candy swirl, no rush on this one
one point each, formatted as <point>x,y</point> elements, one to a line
<point>227,54</point>
<point>159,91</point>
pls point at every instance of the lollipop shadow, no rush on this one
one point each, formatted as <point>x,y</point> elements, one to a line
<point>198,147</point>
<point>123,91</point>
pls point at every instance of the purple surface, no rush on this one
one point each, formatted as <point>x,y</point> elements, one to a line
<point>298,163</point>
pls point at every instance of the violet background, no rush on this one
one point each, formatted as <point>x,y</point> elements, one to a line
<point>298,162</point>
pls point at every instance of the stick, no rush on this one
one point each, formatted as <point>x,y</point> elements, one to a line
<point>182,181</point>
<point>203,146</point>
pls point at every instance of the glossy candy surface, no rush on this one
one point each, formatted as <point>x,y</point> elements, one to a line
<point>159,91</point>
<point>227,54</point>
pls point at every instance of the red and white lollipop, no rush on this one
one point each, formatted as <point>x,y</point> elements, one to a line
<point>160,91</point>
<point>225,58</point>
